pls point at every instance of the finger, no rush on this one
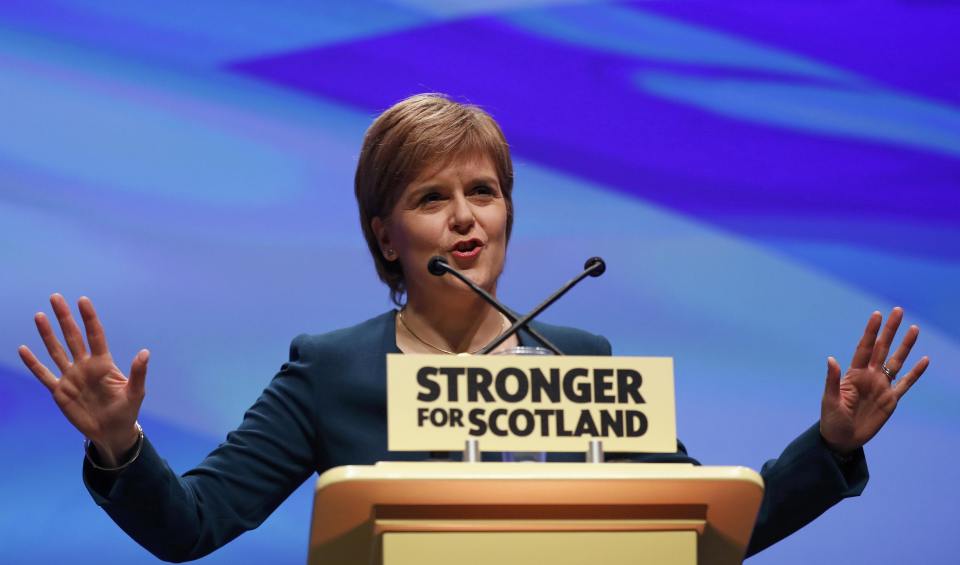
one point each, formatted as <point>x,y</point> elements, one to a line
<point>50,341</point>
<point>899,356</point>
<point>95,336</point>
<point>136,385</point>
<point>43,374</point>
<point>882,346</point>
<point>865,348</point>
<point>832,388</point>
<point>71,332</point>
<point>904,384</point>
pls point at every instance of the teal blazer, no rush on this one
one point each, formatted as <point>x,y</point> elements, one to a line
<point>327,407</point>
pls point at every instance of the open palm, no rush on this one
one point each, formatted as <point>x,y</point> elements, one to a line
<point>91,391</point>
<point>855,407</point>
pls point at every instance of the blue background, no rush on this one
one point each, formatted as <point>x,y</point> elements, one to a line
<point>759,178</point>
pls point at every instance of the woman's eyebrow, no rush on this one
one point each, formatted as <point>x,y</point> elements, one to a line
<point>425,187</point>
<point>485,179</point>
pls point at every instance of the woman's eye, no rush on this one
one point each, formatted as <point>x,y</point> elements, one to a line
<point>484,190</point>
<point>430,197</point>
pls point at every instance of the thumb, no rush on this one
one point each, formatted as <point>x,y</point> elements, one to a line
<point>138,373</point>
<point>832,389</point>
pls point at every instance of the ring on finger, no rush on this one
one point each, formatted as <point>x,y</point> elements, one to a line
<point>890,373</point>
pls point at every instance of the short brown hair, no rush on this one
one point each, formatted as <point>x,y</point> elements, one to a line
<point>416,133</point>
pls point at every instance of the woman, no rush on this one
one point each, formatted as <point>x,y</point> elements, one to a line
<point>434,178</point>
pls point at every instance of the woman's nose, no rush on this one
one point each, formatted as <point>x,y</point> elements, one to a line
<point>461,215</point>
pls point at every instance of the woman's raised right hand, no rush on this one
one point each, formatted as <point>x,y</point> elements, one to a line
<point>91,391</point>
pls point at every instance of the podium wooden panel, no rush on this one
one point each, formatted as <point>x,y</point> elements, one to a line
<point>511,513</point>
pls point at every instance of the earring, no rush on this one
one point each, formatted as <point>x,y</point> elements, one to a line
<point>390,253</point>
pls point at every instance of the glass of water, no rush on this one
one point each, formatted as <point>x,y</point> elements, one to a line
<point>525,456</point>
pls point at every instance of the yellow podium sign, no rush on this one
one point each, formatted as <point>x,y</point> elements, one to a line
<point>530,403</point>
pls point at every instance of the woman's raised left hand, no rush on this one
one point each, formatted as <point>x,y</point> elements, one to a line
<point>855,407</point>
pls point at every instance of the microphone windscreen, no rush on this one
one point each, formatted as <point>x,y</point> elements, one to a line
<point>597,271</point>
<point>437,265</point>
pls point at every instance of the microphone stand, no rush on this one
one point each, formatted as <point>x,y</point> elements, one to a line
<point>594,267</point>
<point>438,266</point>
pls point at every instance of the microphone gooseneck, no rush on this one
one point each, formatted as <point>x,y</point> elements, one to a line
<point>594,267</point>
<point>438,266</point>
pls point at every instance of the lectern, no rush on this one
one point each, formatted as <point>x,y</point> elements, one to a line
<point>554,513</point>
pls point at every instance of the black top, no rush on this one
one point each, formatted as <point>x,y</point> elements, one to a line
<point>327,407</point>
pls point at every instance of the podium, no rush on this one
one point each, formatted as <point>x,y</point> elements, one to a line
<point>428,513</point>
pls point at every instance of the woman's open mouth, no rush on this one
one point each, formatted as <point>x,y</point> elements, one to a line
<point>467,249</point>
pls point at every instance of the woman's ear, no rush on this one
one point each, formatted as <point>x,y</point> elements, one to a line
<point>380,230</point>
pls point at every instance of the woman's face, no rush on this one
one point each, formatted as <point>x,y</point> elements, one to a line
<point>458,212</point>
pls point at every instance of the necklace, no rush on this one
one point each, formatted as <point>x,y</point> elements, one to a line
<point>403,323</point>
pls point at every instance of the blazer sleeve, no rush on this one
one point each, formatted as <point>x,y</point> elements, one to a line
<point>801,484</point>
<point>234,488</point>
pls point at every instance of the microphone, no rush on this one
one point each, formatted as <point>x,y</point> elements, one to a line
<point>438,266</point>
<point>594,267</point>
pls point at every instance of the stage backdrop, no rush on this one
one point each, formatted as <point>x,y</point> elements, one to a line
<point>759,178</point>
